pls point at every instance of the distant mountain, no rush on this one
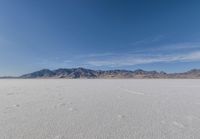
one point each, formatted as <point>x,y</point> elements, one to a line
<point>193,74</point>
<point>45,73</point>
<point>88,73</point>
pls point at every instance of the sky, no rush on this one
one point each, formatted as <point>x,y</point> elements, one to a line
<point>162,35</point>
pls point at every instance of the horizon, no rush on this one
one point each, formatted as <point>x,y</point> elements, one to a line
<point>99,35</point>
<point>98,70</point>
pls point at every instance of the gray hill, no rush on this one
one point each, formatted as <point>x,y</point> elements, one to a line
<point>74,73</point>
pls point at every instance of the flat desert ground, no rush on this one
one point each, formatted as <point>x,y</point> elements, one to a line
<point>99,109</point>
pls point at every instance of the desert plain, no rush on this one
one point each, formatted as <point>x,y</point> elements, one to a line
<point>99,109</point>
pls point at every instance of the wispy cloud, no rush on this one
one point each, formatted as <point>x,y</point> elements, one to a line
<point>179,52</point>
<point>170,48</point>
<point>95,55</point>
<point>148,40</point>
<point>179,46</point>
<point>158,38</point>
<point>136,60</point>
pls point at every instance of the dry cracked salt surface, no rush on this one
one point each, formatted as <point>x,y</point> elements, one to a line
<point>99,109</point>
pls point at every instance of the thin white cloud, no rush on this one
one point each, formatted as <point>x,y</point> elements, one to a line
<point>148,40</point>
<point>164,54</point>
<point>95,55</point>
<point>180,46</point>
<point>169,47</point>
<point>135,60</point>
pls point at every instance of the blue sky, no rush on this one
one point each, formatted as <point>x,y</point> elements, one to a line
<point>99,34</point>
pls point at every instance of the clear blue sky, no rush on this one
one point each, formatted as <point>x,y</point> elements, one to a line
<point>99,34</point>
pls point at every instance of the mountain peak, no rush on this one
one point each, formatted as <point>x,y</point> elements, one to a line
<point>88,73</point>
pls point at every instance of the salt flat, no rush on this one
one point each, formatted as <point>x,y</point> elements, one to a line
<point>99,109</point>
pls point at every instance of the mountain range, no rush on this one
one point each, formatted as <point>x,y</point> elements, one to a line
<point>75,73</point>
